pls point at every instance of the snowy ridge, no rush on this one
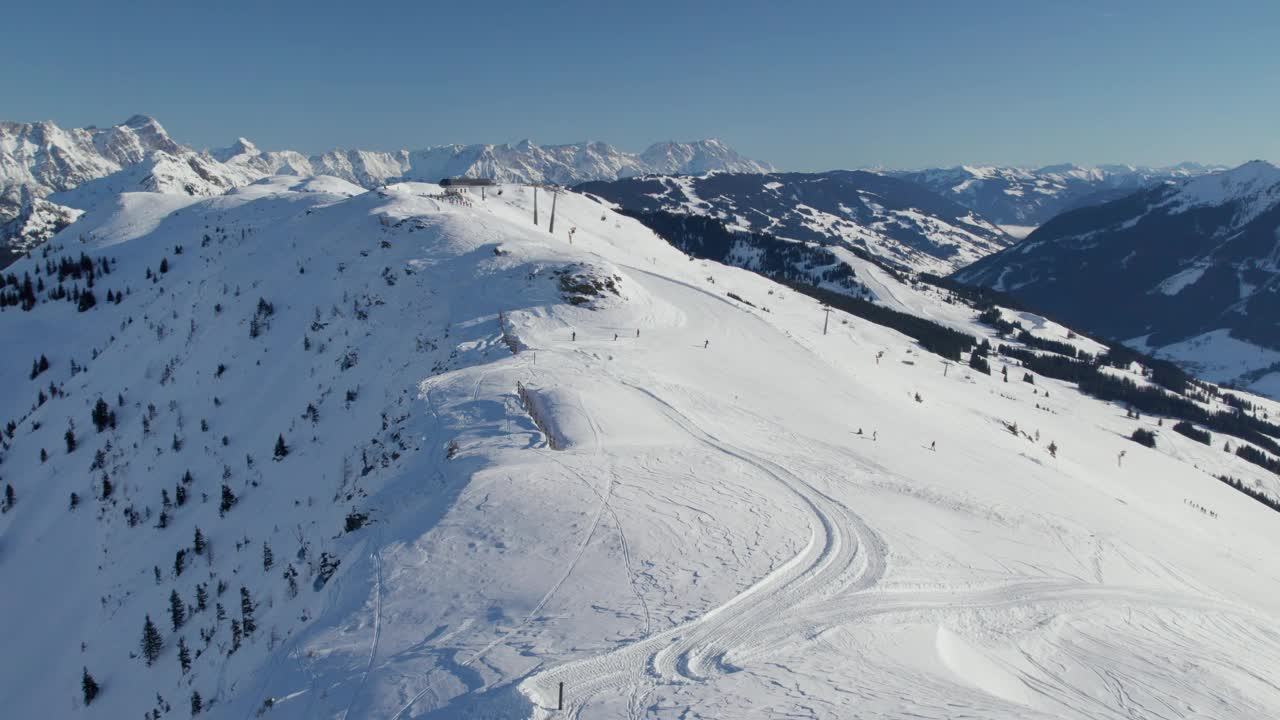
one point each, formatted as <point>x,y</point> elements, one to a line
<point>747,517</point>
<point>897,221</point>
<point>1030,197</point>
<point>1193,263</point>
<point>40,159</point>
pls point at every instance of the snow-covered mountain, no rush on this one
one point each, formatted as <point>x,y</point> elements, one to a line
<point>406,453</point>
<point>42,161</point>
<point>1187,269</point>
<point>895,220</point>
<point>527,162</point>
<point>37,159</point>
<point>1030,197</point>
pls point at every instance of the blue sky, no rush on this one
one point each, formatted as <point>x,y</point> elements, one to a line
<point>804,85</point>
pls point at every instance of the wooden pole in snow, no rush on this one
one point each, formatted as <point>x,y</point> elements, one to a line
<point>535,204</point>
<point>560,703</point>
<point>827,321</point>
<point>554,195</point>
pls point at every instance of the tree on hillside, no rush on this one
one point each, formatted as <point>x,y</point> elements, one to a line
<point>246,611</point>
<point>177,610</point>
<point>281,449</point>
<point>229,500</point>
<point>89,687</point>
<point>152,643</point>
<point>979,363</point>
<point>1144,437</point>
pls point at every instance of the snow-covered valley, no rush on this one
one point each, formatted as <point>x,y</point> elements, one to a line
<point>443,459</point>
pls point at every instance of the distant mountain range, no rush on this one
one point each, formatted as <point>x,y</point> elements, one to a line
<point>1029,197</point>
<point>895,220</point>
<point>50,175</point>
<point>1188,269</point>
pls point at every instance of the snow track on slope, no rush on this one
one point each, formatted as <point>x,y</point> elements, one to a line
<point>842,555</point>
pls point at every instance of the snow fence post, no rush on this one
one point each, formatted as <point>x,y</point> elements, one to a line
<point>560,702</point>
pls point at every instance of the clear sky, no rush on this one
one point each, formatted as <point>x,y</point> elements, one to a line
<point>803,85</point>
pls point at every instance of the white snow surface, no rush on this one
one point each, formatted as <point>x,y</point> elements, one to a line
<point>1018,231</point>
<point>745,518</point>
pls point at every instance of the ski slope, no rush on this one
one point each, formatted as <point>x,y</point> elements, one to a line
<point>733,514</point>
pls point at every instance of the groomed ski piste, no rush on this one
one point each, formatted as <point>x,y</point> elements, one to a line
<point>677,503</point>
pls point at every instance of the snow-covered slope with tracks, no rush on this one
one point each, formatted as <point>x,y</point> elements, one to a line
<point>678,504</point>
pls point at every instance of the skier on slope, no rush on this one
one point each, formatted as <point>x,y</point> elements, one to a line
<point>705,344</point>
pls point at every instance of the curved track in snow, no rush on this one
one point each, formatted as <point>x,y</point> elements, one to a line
<point>841,556</point>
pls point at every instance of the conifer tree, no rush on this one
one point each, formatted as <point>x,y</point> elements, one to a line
<point>268,559</point>
<point>198,544</point>
<point>979,363</point>
<point>10,497</point>
<point>202,597</point>
<point>70,437</point>
<point>89,687</point>
<point>197,704</point>
<point>184,656</point>
<point>291,577</point>
<point>177,610</point>
<point>102,415</point>
<point>246,611</point>
<point>281,450</point>
<point>228,500</point>
<point>235,636</point>
<point>152,643</point>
